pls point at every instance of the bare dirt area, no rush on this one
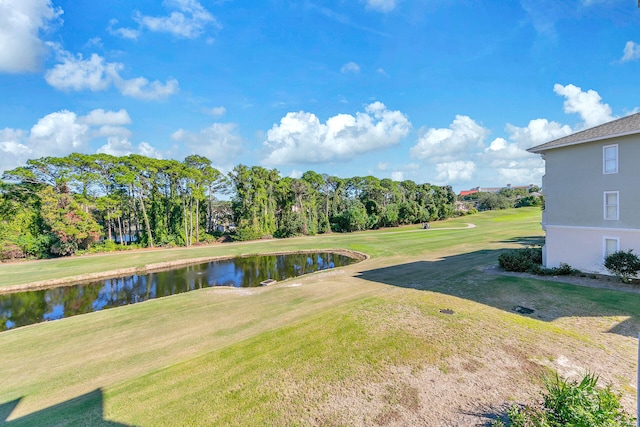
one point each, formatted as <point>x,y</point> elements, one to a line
<point>474,389</point>
<point>502,366</point>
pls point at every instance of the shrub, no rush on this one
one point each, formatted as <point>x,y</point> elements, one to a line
<point>563,269</point>
<point>529,260</point>
<point>493,201</point>
<point>246,233</point>
<point>528,201</point>
<point>104,246</point>
<point>571,403</point>
<point>623,265</point>
<point>520,260</point>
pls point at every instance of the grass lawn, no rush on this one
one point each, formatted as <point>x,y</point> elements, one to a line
<point>418,334</point>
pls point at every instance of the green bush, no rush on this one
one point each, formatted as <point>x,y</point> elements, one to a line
<point>563,269</point>
<point>529,260</point>
<point>623,264</point>
<point>246,233</point>
<point>520,260</point>
<point>529,201</point>
<point>571,403</point>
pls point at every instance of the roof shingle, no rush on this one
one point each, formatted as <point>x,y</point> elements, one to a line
<point>625,126</point>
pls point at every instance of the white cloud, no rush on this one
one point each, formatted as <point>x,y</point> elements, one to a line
<point>95,74</point>
<point>58,133</point>
<point>448,144</point>
<point>538,131</point>
<point>188,19</point>
<point>499,144</point>
<point>108,123</point>
<point>76,73</point>
<point>21,48</point>
<point>350,67</point>
<point>145,149</point>
<point>587,104</point>
<point>125,33</point>
<point>381,5</point>
<point>215,111</point>
<point>458,171</point>
<point>12,147</point>
<point>61,133</point>
<point>522,176</point>
<point>141,88</point>
<point>397,176</point>
<point>301,137</point>
<point>119,146</point>
<point>295,174</point>
<point>503,154</point>
<point>382,166</point>
<point>13,152</point>
<point>509,162</point>
<point>100,117</point>
<point>631,52</point>
<point>508,158</point>
<point>460,155</point>
<point>219,142</point>
<point>95,41</point>
<point>108,130</point>
<point>526,170</point>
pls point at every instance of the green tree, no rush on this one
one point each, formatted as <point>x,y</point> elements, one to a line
<point>254,204</point>
<point>354,218</point>
<point>71,227</point>
<point>20,222</point>
<point>528,201</point>
<point>492,201</point>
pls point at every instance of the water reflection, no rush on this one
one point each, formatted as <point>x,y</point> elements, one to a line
<point>25,308</point>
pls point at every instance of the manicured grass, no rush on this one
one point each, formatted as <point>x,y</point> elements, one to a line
<point>342,347</point>
<point>376,243</point>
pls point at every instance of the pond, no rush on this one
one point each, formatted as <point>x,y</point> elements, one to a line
<point>28,307</point>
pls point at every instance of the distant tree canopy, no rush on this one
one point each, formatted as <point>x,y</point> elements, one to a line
<point>55,206</point>
<point>505,198</point>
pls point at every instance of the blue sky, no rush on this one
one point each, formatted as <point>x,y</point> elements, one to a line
<point>445,92</point>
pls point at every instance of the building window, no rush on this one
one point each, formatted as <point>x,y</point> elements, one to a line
<point>610,159</point>
<point>611,245</point>
<point>611,205</point>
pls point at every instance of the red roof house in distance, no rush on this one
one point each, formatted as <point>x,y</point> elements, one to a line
<point>467,192</point>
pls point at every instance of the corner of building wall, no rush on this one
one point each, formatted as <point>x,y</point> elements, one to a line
<point>544,256</point>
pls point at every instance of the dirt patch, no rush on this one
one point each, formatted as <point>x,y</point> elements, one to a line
<point>498,365</point>
<point>464,395</point>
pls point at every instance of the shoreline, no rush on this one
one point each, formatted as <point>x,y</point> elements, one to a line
<point>161,266</point>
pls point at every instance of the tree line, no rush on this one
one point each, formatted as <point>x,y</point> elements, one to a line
<point>57,206</point>
<point>505,198</point>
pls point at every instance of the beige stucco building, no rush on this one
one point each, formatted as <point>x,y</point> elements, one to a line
<point>592,194</point>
